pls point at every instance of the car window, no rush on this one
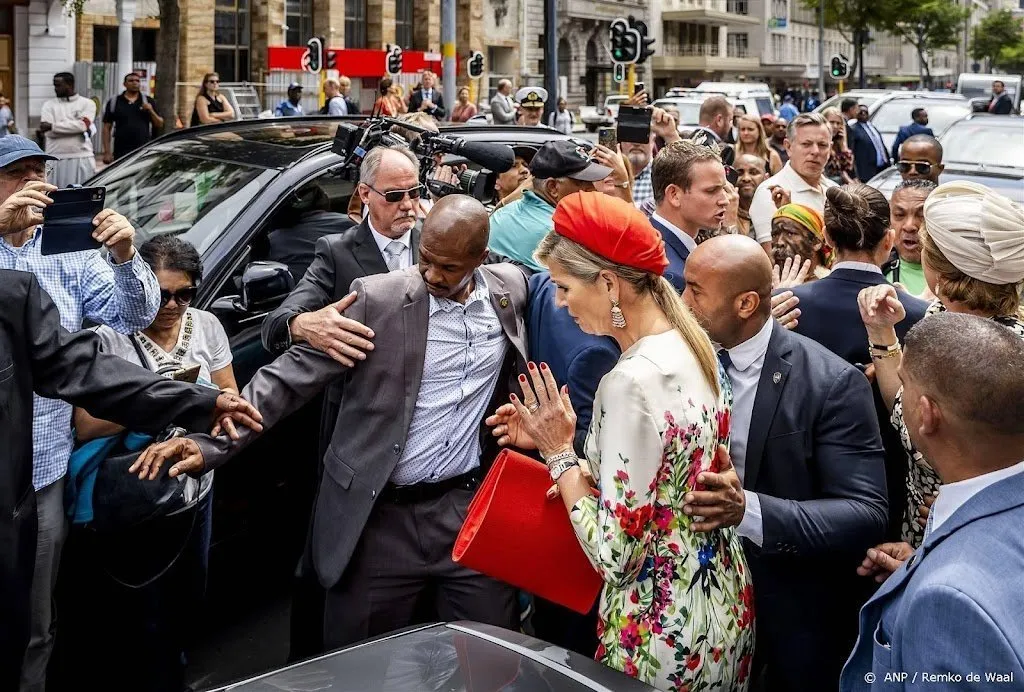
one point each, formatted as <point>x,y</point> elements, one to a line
<point>978,142</point>
<point>765,106</point>
<point>892,115</point>
<point>163,192</point>
<point>689,111</point>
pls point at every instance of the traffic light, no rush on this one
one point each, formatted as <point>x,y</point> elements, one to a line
<point>646,44</point>
<point>394,60</point>
<point>314,58</point>
<point>475,65</point>
<point>840,68</point>
<point>332,60</point>
<point>625,41</point>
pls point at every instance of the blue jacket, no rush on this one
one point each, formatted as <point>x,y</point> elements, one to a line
<point>576,358</point>
<point>677,254</point>
<point>953,607</point>
<point>905,133</point>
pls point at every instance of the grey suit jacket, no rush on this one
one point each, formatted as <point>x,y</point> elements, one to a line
<point>378,400</point>
<point>502,111</point>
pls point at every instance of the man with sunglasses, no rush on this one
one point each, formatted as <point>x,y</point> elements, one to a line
<point>119,290</point>
<point>921,159</point>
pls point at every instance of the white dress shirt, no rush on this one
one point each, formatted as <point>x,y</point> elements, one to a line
<point>953,496</point>
<point>382,241</point>
<point>683,236</point>
<point>762,208</point>
<point>744,373</point>
<point>858,266</point>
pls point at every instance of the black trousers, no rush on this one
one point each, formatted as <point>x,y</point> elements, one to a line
<point>404,554</point>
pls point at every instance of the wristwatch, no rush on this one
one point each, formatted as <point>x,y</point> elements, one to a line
<point>561,462</point>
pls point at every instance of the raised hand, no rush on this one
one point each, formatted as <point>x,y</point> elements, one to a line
<point>780,196</point>
<point>24,209</point>
<point>792,273</point>
<point>785,310</point>
<point>116,233</point>
<point>545,413</point>
<point>880,308</point>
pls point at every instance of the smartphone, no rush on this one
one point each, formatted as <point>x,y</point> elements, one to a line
<point>638,87</point>
<point>634,124</point>
<point>606,138</point>
<point>190,375</point>
<point>68,221</point>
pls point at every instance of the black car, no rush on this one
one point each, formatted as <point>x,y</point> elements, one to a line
<point>454,657</point>
<point>224,188</point>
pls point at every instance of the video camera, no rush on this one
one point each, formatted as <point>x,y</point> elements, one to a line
<point>354,142</point>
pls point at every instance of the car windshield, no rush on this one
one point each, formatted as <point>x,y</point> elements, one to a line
<point>862,99</point>
<point>983,90</point>
<point>689,111</point>
<point>893,115</point>
<point>979,142</point>
<point>164,192</point>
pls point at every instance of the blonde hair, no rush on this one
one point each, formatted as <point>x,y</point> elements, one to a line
<point>761,149</point>
<point>585,265</point>
<point>996,299</point>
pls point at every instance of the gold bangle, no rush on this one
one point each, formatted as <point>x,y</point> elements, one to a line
<point>887,354</point>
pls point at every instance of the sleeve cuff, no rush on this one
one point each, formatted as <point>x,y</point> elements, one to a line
<point>131,267</point>
<point>752,526</point>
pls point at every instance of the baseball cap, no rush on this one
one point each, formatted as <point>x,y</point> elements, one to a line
<point>294,85</point>
<point>565,159</point>
<point>767,118</point>
<point>532,97</point>
<point>15,148</point>
<point>525,153</point>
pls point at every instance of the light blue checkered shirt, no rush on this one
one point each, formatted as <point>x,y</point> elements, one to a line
<point>466,347</point>
<point>82,285</point>
<point>643,190</point>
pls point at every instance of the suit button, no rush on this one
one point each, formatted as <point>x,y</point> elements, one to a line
<point>397,449</point>
<point>373,493</point>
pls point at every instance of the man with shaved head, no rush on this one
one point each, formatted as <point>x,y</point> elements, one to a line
<point>955,603</point>
<point>408,444</point>
<point>921,159</point>
<point>806,448</point>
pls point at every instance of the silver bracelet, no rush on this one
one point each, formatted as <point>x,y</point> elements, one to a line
<point>560,456</point>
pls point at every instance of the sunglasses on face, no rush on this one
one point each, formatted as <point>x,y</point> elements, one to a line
<point>396,196</point>
<point>184,296</point>
<point>919,167</point>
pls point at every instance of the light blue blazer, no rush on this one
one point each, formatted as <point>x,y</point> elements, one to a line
<point>955,608</point>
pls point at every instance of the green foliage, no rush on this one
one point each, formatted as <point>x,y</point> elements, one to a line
<point>73,7</point>
<point>928,25</point>
<point>999,38</point>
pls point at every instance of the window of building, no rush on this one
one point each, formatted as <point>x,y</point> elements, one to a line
<point>231,40</point>
<point>737,45</point>
<point>403,23</point>
<point>144,45</point>
<point>355,23</point>
<point>298,17</point>
<point>105,44</point>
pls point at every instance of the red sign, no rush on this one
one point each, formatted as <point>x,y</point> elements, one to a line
<point>353,62</point>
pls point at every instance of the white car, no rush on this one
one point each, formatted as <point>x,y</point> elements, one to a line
<point>601,117</point>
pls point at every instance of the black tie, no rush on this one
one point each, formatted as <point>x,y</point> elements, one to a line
<point>724,359</point>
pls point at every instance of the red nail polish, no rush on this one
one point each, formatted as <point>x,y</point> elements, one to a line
<point>522,378</point>
<point>530,366</point>
<point>543,366</point>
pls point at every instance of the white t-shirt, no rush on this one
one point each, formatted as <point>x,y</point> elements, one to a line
<point>208,347</point>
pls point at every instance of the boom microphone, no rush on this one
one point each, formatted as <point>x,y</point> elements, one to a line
<point>495,157</point>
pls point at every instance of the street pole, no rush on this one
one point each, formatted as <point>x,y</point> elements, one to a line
<point>448,66</point>
<point>550,56</point>
<point>821,49</point>
<point>630,79</point>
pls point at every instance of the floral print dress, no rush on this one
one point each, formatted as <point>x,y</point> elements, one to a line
<point>677,609</point>
<point>922,481</point>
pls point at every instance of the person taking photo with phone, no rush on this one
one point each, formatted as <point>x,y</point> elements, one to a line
<point>182,342</point>
<point>119,290</point>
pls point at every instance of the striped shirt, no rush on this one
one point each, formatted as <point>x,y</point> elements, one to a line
<point>83,285</point>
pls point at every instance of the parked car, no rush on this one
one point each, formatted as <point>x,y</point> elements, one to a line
<point>892,111</point>
<point>224,188</point>
<point>460,656</point>
<point>605,116</point>
<point>978,88</point>
<point>868,97</point>
<point>988,149</point>
<point>689,111</point>
<point>756,99</point>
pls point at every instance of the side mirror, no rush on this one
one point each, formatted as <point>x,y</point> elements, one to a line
<point>265,285</point>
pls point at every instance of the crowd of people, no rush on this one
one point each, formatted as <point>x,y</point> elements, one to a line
<point>782,412</point>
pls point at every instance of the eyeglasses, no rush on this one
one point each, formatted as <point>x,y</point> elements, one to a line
<point>920,167</point>
<point>184,296</point>
<point>396,196</point>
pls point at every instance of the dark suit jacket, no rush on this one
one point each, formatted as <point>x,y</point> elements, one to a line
<point>830,316</point>
<point>905,133</point>
<point>416,100</point>
<point>1004,104</point>
<point>677,254</point>
<point>815,460</point>
<point>38,356</point>
<point>296,244</point>
<point>865,157</point>
<point>340,259</point>
<point>576,358</point>
<point>378,400</point>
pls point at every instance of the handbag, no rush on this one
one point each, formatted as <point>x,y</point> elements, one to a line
<point>513,533</point>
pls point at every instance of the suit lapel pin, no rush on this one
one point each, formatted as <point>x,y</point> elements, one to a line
<point>503,302</point>
<point>777,377</point>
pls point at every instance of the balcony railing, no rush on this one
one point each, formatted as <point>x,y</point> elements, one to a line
<point>692,50</point>
<point>738,51</point>
<point>725,6</point>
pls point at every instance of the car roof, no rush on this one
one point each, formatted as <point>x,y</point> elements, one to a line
<point>283,142</point>
<point>992,119</point>
<point>942,96</point>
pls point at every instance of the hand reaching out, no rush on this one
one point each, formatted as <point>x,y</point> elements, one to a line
<point>884,559</point>
<point>792,273</point>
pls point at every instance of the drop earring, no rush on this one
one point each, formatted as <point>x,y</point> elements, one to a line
<point>618,319</point>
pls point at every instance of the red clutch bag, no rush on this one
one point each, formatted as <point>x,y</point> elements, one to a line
<point>515,534</point>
